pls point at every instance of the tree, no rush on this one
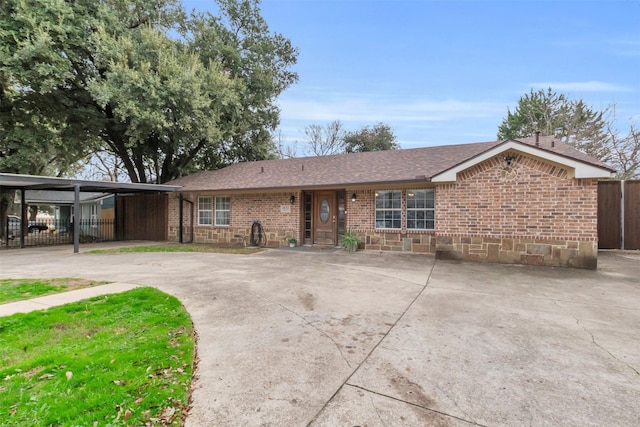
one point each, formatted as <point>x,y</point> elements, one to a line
<point>554,114</point>
<point>592,132</point>
<point>166,92</point>
<point>623,150</point>
<point>102,166</point>
<point>284,150</point>
<point>324,141</point>
<point>377,138</point>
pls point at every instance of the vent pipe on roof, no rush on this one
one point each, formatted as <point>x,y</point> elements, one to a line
<point>303,166</point>
<point>553,143</point>
<point>537,138</point>
<point>261,169</point>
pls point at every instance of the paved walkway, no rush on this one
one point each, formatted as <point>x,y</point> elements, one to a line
<point>42,303</point>
<point>293,338</point>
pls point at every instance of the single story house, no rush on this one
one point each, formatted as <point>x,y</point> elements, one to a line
<point>97,210</point>
<point>528,201</point>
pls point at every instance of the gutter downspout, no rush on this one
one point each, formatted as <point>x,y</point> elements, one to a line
<point>180,227</point>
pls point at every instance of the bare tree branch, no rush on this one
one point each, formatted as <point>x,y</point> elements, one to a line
<point>623,150</point>
<point>324,141</point>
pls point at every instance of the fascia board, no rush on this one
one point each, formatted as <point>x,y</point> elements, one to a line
<point>580,169</point>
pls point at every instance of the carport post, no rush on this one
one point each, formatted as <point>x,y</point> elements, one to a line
<point>76,218</point>
<point>24,220</point>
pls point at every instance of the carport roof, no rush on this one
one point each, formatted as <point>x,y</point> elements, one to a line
<point>34,182</point>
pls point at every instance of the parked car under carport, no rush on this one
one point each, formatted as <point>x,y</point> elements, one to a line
<point>14,227</point>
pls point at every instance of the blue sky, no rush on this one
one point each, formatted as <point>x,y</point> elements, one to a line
<point>445,72</point>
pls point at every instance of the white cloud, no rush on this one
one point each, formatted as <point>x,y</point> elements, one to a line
<point>590,86</point>
<point>626,47</point>
<point>372,109</point>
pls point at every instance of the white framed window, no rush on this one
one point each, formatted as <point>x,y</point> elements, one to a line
<point>421,210</point>
<point>223,207</point>
<point>389,210</point>
<point>205,210</point>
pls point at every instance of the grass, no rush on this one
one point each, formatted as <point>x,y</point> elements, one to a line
<point>122,359</point>
<point>182,247</point>
<point>21,289</point>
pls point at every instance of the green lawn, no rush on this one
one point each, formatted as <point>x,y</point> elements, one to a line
<point>183,247</point>
<point>21,289</point>
<point>122,359</point>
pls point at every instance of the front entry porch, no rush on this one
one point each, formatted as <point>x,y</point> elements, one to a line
<point>324,217</point>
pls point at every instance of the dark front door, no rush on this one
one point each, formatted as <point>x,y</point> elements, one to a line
<point>325,217</point>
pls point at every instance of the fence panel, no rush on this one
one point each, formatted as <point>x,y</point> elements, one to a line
<point>142,217</point>
<point>50,232</point>
<point>609,215</point>
<point>632,215</point>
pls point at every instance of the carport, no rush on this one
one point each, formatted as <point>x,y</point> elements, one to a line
<point>33,182</point>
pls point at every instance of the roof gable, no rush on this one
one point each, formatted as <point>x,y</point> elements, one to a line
<point>546,148</point>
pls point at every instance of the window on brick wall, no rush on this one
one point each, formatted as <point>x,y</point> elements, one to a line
<point>205,210</point>
<point>223,207</point>
<point>388,209</point>
<point>420,209</point>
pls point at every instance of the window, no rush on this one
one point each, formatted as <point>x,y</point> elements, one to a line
<point>388,209</point>
<point>420,209</point>
<point>205,211</point>
<point>223,206</point>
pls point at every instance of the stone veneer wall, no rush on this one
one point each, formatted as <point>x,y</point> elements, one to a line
<point>360,219</point>
<point>280,219</point>
<point>537,215</point>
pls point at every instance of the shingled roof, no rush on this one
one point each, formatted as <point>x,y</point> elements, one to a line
<point>554,145</point>
<point>353,169</point>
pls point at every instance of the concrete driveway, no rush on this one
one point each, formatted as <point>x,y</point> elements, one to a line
<point>369,339</point>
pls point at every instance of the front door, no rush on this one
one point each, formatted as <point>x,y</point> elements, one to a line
<point>325,217</point>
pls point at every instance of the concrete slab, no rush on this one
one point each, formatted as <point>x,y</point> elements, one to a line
<point>313,338</point>
<point>42,303</point>
<point>511,347</point>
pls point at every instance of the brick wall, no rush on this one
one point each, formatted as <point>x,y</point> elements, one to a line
<point>360,220</point>
<point>279,217</point>
<point>535,214</point>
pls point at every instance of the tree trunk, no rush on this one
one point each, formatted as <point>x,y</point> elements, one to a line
<point>33,212</point>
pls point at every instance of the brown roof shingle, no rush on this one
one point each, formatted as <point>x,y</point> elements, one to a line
<point>417,164</point>
<point>393,166</point>
<point>554,145</point>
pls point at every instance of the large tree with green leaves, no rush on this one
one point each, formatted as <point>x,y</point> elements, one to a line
<point>371,138</point>
<point>165,91</point>
<point>550,113</point>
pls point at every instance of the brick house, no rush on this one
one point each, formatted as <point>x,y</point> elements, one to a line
<point>529,201</point>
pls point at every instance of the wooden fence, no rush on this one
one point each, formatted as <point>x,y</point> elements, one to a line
<point>619,214</point>
<point>142,217</point>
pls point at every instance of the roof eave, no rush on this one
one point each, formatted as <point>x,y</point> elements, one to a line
<point>580,168</point>
<point>36,182</point>
<point>417,180</point>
